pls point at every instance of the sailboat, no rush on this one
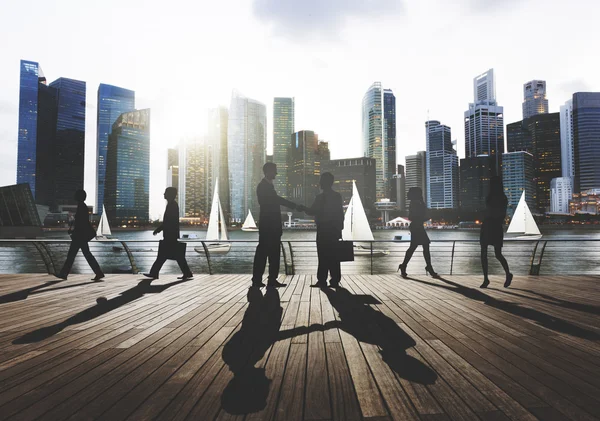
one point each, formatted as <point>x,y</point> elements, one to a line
<point>249,224</point>
<point>356,227</point>
<point>216,220</point>
<point>522,222</point>
<point>103,232</point>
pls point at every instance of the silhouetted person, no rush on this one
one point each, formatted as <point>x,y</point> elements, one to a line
<point>81,233</point>
<point>491,233</point>
<point>269,228</point>
<point>418,237</point>
<point>329,216</point>
<point>170,247</point>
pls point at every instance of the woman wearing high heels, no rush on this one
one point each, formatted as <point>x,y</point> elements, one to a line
<point>418,236</point>
<point>491,230</point>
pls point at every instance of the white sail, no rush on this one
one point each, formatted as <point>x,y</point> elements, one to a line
<point>356,224</point>
<point>224,236</point>
<point>212,234</point>
<point>103,226</point>
<point>522,221</point>
<point>249,222</point>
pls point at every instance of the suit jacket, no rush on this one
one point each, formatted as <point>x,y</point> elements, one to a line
<point>82,225</point>
<point>328,211</point>
<point>270,203</point>
<point>170,224</point>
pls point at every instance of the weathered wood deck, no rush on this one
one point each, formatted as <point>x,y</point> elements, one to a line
<point>381,348</point>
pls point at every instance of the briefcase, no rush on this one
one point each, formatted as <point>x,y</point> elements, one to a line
<point>171,249</point>
<point>345,251</point>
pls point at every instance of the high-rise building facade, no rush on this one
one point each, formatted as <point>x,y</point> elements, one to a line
<point>126,189</point>
<point>51,138</point>
<point>484,122</point>
<point>518,175</point>
<point>535,101</point>
<point>31,77</point>
<point>379,134</point>
<point>69,142</point>
<point>441,167</point>
<point>540,136</point>
<point>360,170</point>
<point>283,128</point>
<point>196,180</point>
<point>400,180</point>
<point>112,102</point>
<point>475,174</point>
<point>307,156</point>
<point>561,191</point>
<point>566,139</point>
<point>246,142</point>
<point>586,140</point>
<point>416,172</point>
<point>217,134</point>
<point>173,169</point>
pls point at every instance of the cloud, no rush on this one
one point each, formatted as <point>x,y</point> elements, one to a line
<point>484,6</point>
<point>319,18</point>
<point>574,85</point>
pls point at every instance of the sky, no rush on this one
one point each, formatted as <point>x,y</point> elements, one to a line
<point>183,57</point>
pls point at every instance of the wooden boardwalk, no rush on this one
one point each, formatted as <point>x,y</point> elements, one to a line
<point>381,348</point>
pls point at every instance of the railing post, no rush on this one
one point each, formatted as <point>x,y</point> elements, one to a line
<point>207,254</point>
<point>531,264</point>
<point>292,258</point>
<point>46,256</point>
<point>134,268</point>
<point>371,257</point>
<point>452,258</point>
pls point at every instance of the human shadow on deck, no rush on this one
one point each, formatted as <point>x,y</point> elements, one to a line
<point>548,299</point>
<point>25,293</point>
<point>248,391</point>
<point>103,307</point>
<point>546,320</point>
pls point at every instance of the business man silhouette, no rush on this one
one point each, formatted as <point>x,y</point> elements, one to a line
<point>269,228</point>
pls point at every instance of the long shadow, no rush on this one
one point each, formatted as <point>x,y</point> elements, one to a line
<point>103,307</point>
<point>247,392</point>
<point>548,299</point>
<point>25,293</point>
<point>543,319</point>
<point>372,326</point>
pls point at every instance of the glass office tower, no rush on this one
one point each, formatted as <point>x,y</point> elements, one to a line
<point>283,127</point>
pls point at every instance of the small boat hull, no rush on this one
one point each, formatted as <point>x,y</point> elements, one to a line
<point>215,248</point>
<point>250,229</point>
<point>366,251</point>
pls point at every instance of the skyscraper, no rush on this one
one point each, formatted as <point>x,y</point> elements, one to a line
<point>305,167</point>
<point>196,180</point>
<point>540,136</point>
<point>69,143</point>
<point>518,175</point>
<point>126,188</point>
<point>112,102</point>
<point>566,139</point>
<point>561,191</point>
<point>173,169</point>
<point>535,101</point>
<point>379,134</point>
<point>247,136</point>
<point>484,121</point>
<point>217,136</point>
<point>283,127</point>
<point>400,180</point>
<point>586,140</point>
<point>416,172</point>
<point>360,170</point>
<point>475,174</point>
<point>441,167</point>
<point>31,77</point>
<point>51,136</point>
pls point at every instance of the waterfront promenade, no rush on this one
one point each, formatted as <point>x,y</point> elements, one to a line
<point>382,348</point>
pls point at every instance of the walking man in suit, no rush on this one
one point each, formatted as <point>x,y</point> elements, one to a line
<point>269,228</point>
<point>170,246</point>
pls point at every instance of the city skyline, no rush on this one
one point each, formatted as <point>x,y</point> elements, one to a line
<point>327,92</point>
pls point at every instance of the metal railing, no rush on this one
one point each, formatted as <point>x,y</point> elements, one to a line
<point>534,257</point>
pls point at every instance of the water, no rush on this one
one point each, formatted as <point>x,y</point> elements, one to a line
<point>568,257</point>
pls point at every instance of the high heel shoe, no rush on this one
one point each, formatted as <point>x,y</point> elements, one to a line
<point>429,270</point>
<point>509,278</point>
<point>485,284</point>
<point>402,269</point>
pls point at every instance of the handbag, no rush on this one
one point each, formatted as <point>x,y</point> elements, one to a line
<point>88,235</point>
<point>345,251</point>
<point>172,250</point>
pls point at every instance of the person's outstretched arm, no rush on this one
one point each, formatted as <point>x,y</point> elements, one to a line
<point>269,196</point>
<point>314,209</point>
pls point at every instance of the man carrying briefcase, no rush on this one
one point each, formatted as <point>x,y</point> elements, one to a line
<point>169,247</point>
